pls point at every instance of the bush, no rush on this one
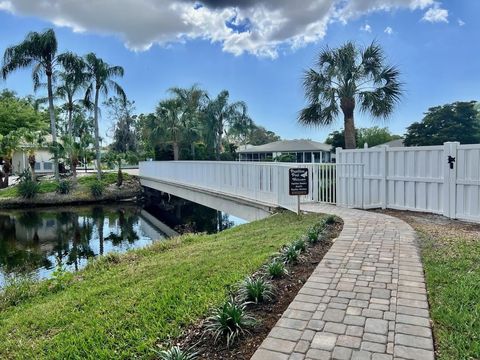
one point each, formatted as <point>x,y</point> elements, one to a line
<point>28,189</point>
<point>230,321</point>
<point>96,189</point>
<point>312,235</point>
<point>256,290</point>
<point>300,245</point>
<point>290,254</point>
<point>175,353</point>
<point>64,187</point>
<point>330,220</point>
<point>60,279</point>
<point>276,269</point>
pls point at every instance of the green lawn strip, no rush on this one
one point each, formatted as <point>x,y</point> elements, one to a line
<point>122,310</point>
<point>452,270</point>
<point>49,186</point>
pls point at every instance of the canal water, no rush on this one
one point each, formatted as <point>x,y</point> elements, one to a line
<point>35,242</point>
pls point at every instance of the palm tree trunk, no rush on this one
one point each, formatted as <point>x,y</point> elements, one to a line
<point>97,137</point>
<point>70,117</point>
<point>53,127</point>
<point>176,151</point>
<point>348,107</point>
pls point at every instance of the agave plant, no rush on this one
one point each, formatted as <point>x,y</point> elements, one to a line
<point>256,290</point>
<point>229,321</point>
<point>175,353</point>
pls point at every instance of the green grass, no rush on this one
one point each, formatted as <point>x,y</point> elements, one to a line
<point>49,186</point>
<point>452,270</point>
<point>121,306</point>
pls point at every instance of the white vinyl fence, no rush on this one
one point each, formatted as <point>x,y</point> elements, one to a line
<point>442,179</point>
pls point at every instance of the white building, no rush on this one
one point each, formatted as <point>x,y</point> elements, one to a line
<point>301,151</point>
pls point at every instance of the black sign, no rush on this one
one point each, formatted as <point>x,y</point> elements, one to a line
<point>298,181</point>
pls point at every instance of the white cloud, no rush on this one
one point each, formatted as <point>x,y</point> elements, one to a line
<point>461,22</point>
<point>258,27</point>
<point>388,30</point>
<point>366,28</point>
<point>436,14</point>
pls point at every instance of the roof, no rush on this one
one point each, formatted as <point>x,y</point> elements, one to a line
<point>394,143</point>
<point>287,146</point>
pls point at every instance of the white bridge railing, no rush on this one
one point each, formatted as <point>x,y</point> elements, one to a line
<point>265,183</point>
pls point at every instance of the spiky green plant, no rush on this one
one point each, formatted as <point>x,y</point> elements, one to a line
<point>290,254</point>
<point>176,353</point>
<point>276,269</point>
<point>300,244</point>
<point>256,290</point>
<point>229,321</point>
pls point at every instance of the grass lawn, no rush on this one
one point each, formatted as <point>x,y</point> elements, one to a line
<point>452,268</point>
<point>120,307</point>
<point>49,186</point>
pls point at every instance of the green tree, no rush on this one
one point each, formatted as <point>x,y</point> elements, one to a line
<point>8,145</point>
<point>99,75</point>
<point>259,136</point>
<point>458,121</point>
<point>16,113</point>
<point>220,113</point>
<point>374,136</point>
<point>40,51</point>
<point>73,80</point>
<point>344,77</point>
<point>169,114</point>
<point>121,114</point>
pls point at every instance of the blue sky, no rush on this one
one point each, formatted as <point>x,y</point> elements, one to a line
<point>434,44</point>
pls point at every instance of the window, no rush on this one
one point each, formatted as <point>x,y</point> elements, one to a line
<point>37,166</point>
<point>47,166</point>
<point>308,157</point>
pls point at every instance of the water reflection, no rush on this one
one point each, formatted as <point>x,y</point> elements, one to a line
<point>35,242</point>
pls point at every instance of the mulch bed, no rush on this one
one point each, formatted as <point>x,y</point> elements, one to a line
<point>266,314</point>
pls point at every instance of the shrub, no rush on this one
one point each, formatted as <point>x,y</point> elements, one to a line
<point>276,269</point>
<point>28,189</point>
<point>290,254</point>
<point>64,187</point>
<point>330,219</point>
<point>256,290</point>
<point>300,245</point>
<point>96,189</point>
<point>230,321</point>
<point>312,235</point>
<point>175,353</point>
<point>60,279</point>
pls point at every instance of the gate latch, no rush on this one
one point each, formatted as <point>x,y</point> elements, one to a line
<point>451,160</point>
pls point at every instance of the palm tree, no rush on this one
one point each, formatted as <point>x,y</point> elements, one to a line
<point>40,51</point>
<point>72,150</point>
<point>344,77</point>
<point>169,113</point>
<point>192,101</point>
<point>220,114</point>
<point>73,80</point>
<point>8,145</point>
<point>99,75</point>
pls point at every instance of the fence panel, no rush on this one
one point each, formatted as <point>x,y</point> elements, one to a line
<point>418,178</point>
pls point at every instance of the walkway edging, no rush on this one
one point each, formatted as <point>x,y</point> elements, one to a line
<point>365,300</point>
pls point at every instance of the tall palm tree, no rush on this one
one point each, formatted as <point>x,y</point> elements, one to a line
<point>344,77</point>
<point>100,75</point>
<point>40,51</point>
<point>73,80</point>
<point>222,113</point>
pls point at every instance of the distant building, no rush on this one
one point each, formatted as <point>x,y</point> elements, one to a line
<point>394,143</point>
<point>302,151</point>
<point>43,159</point>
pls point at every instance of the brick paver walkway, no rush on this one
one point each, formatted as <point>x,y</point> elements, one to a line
<point>365,300</point>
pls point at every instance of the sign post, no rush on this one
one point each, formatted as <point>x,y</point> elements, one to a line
<point>298,184</point>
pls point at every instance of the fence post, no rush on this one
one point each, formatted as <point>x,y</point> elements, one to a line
<point>449,178</point>
<point>384,169</point>
<point>338,153</point>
